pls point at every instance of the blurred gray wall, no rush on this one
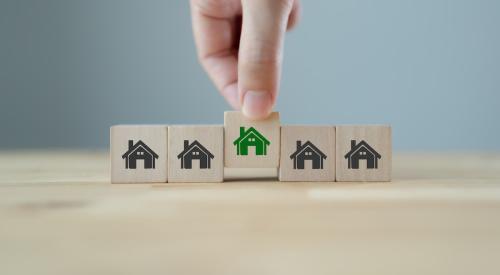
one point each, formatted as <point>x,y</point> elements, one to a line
<point>431,68</point>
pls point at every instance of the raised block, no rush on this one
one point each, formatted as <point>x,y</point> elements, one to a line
<point>307,153</point>
<point>195,153</point>
<point>138,153</point>
<point>364,153</point>
<point>251,144</point>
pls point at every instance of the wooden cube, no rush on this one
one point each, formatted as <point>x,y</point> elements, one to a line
<point>307,153</point>
<point>249,143</point>
<point>364,153</point>
<point>138,153</point>
<point>196,153</point>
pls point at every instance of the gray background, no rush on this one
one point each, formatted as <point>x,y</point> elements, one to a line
<point>431,68</point>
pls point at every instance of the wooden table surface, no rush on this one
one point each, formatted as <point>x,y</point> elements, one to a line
<point>60,215</point>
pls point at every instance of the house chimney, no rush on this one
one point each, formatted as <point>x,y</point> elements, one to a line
<point>186,143</point>
<point>242,131</point>
<point>299,144</point>
<point>353,143</point>
<point>130,144</point>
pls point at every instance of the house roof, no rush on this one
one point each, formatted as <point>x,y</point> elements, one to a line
<point>253,131</point>
<point>362,144</point>
<point>192,146</point>
<point>304,146</point>
<point>137,145</point>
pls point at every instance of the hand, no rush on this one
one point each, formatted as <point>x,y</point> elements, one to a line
<point>240,45</point>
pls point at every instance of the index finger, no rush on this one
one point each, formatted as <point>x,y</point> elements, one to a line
<point>216,34</point>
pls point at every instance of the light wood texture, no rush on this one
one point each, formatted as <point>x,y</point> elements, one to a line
<point>313,161</point>
<point>352,165</point>
<point>147,167</point>
<point>268,128</point>
<point>60,215</point>
<point>201,158</point>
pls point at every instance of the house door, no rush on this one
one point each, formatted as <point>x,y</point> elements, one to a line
<point>204,162</point>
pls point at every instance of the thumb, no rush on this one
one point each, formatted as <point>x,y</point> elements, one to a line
<point>260,54</point>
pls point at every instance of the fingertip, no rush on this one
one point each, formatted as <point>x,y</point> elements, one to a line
<point>257,104</point>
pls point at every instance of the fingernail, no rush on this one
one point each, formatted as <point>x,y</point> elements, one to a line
<point>256,104</point>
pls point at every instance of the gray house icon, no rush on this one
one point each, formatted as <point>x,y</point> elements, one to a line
<point>362,151</point>
<point>138,151</point>
<point>192,152</point>
<point>307,151</point>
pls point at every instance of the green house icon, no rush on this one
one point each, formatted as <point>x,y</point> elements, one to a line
<point>251,137</point>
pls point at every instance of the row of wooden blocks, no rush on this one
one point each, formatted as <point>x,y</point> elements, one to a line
<point>160,153</point>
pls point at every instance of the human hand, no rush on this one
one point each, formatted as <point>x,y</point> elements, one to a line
<point>240,46</point>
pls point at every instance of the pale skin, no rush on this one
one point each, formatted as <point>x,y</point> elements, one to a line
<point>240,46</point>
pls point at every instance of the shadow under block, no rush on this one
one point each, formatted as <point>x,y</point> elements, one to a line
<point>249,143</point>
<point>138,153</point>
<point>307,153</point>
<point>196,153</point>
<point>364,153</point>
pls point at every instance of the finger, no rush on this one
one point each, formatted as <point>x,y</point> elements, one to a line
<point>260,55</point>
<point>215,31</point>
<point>295,14</point>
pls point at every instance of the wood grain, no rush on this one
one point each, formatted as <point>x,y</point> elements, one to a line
<point>60,215</point>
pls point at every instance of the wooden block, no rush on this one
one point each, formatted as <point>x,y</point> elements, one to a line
<point>138,153</point>
<point>307,153</point>
<point>364,153</point>
<point>195,153</point>
<point>251,144</point>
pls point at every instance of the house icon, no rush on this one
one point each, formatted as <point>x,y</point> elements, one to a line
<point>307,151</point>
<point>194,151</point>
<point>362,151</point>
<point>139,151</point>
<point>251,137</point>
